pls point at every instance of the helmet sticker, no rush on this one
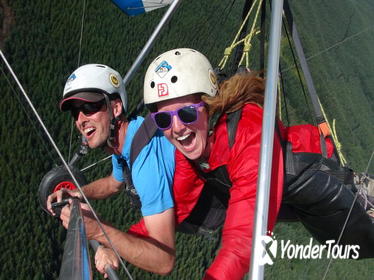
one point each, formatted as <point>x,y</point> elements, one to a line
<point>163,68</point>
<point>213,78</point>
<point>72,77</point>
<point>162,89</point>
<point>113,79</point>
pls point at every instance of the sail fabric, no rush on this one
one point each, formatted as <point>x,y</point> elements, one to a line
<point>137,7</point>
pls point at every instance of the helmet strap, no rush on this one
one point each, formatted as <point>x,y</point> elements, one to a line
<point>111,141</point>
<point>212,121</point>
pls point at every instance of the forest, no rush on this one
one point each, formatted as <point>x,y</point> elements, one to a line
<point>44,41</point>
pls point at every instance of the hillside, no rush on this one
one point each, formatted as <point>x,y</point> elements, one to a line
<point>42,43</point>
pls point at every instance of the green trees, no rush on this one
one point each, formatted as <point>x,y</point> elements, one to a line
<point>43,49</point>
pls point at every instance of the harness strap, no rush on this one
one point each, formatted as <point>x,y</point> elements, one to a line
<point>209,212</point>
<point>320,118</point>
<point>232,125</point>
<point>129,185</point>
<point>142,137</point>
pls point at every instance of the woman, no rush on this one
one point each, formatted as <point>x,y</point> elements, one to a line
<point>217,161</point>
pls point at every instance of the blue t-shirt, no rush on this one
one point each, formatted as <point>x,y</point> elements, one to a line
<point>152,171</point>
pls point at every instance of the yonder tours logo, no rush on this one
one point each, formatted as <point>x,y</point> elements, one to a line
<point>288,250</point>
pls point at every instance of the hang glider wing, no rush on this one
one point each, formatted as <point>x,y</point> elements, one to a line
<point>137,7</point>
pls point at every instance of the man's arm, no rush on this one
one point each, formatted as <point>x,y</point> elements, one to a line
<point>99,189</point>
<point>155,253</point>
<point>102,188</point>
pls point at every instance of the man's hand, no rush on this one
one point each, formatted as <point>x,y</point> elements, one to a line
<point>155,253</point>
<point>59,195</point>
<point>104,258</point>
<point>93,230</point>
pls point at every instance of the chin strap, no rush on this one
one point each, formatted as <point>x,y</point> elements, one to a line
<point>111,143</point>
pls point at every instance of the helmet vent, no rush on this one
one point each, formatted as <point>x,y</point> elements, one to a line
<point>174,79</point>
<point>177,53</point>
<point>152,84</point>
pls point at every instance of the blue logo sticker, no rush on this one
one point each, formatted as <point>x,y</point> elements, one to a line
<point>163,68</point>
<point>72,77</point>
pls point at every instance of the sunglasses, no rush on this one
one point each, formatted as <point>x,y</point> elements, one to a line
<point>87,109</point>
<point>187,115</point>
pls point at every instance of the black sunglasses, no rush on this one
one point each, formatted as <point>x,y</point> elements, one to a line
<point>88,108</point>
<point>187,115</point>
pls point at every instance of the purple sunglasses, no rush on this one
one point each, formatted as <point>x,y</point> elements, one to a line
<point>187,115</point>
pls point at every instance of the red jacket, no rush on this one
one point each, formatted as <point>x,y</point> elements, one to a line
<point>232,261</point>
<point>242,161</point>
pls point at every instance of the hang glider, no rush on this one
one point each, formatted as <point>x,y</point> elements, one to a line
<point>134,7</point>
<point>137,7</point>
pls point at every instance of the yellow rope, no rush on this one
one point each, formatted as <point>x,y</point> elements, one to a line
<point>245,56</point>
<point>338,145</point>
<point>234,43</point>
<point>279,101</point>
<point>247,47</point>
<point>334,136</point>
<point>249,37</point>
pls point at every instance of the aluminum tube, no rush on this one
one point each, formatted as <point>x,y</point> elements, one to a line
<point>267,141</point>
<point>112,275</point>
<point>148,46</point>
<point>76,263</point>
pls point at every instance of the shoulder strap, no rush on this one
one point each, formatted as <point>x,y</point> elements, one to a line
<point>142,137</point>
<point>129,186</point>
<point>220,174</point>
<point>232,125</point>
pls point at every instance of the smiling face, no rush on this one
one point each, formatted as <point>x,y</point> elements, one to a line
<point>190,139</point>
<point>93,121</point>
<point>93,126</point>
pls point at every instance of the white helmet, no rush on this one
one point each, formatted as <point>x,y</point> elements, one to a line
<point>88,80</point>
<point>177,73</point>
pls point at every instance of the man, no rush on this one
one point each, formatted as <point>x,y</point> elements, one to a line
<point>96,98</point>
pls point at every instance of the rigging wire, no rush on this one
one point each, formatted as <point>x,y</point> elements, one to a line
<point>235,41</point>
<point>28,116</point>
<point>97,162</point>
<point>341,42</point>
<point>81,32</point>
<point>297,70</point>
<point>248,39</point>
<point>71,138</point>
<point>79,61</point>
<point>64,162</point>
<point>341,234</point>
<point>228,7</point>
<point>226,11</point>
<point>367,167</point>
<point>282,82</point>
<point>348,216</point>
<point>296,66</point>
<point>304,93</point>
<point>333,46</point>
<point>239,50</point>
